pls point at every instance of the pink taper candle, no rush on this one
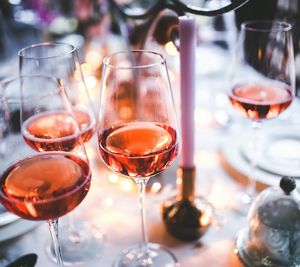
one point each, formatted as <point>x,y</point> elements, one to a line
<point>187,37</point>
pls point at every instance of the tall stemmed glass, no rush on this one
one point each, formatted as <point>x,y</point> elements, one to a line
<point>61,61</point>
<point>262,81</point>
<point>47,185</point>
<point>138,134</point>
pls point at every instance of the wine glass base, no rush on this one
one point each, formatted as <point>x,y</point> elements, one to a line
<point>154,255</point>
<point>80,246</point>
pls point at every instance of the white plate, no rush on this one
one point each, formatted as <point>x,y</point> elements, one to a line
<point>280,152</point>
<point>16,228</point>
<point>6,217</point>
<point>238,167</point>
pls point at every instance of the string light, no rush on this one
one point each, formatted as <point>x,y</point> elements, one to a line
<point>126,185</point>
<point>155,187</point>
<point>205,219</point>
<point>94,59</point>
<point>113,178</point>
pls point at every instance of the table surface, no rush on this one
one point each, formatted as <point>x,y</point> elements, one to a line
<point>116,213</point>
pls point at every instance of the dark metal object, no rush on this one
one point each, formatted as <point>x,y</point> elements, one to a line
<point>180,8</point>
<point>28,260</point>
<point>141,24</point>
<point>287,184</point>
<point>187,217</point>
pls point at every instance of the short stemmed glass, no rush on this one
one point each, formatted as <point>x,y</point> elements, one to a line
<point>262,83</point>
<point>138,134</point>
<point>61,61</point>
<point>44,185</point>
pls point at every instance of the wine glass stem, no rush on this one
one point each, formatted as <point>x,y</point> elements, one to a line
<point>53,227</point>
<point>141,183</point>
<point>254,156</point>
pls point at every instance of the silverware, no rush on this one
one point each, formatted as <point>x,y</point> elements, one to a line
<point>28,260</point>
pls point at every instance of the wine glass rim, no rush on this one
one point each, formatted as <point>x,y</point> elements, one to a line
<point>161,60</point>
<point>266,26</point>
<point>22,54</point>
<point>14,200</point>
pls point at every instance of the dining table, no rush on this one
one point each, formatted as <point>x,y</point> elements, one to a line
<point>111,206</point>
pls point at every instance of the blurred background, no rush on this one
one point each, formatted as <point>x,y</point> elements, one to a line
<point>23,22</point>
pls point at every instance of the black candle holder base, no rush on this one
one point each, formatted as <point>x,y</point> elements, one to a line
<point>185,219</point>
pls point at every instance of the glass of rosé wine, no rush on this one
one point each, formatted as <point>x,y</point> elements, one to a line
<point>262,82</point>
<point>138,134</point>
<point>61,61</point>
<point>80,241</point>
<point>44,185</point>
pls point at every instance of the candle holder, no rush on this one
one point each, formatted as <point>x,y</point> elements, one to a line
<point>186,216</point>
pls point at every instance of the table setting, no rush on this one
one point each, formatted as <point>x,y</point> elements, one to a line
<point>122,143</point>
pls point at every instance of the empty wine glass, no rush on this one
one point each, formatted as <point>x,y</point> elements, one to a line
<point>61,61</point>
<point>138,138</point>
<point>262,82</point>
<point>45,185</point>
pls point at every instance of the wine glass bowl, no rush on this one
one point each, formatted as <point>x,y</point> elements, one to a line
<point>33,190</point>
<point>61,61</point>
<point>263,75</point>
<point>138,133</point>
<point>47,125</point>
<point>262,81</point>
<point>149,148</point>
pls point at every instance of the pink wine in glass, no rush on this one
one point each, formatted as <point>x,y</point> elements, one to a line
<point>55,131</point>
<point>46,186</point>
<point>261,101</point>
<point>138,149</point>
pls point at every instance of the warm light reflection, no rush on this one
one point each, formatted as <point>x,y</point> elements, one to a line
<point>155,187</point>
<point>259,53</point>
<point>205,219</point>
<point>85,69</point>
<point>171,48</point>
<point>125,112</point>
<point>113,178</point>
<point>126,185</point>
<point>94,59</point>
<point>90,82</point>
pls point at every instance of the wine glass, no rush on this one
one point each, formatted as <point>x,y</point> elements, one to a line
<point>262,82</point>
<point>138,134</point>
<point>83,242</point>
<point>61,61</point>
<point>46,185</point>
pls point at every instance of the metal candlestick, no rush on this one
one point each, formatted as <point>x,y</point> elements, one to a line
<point>187,217</point>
